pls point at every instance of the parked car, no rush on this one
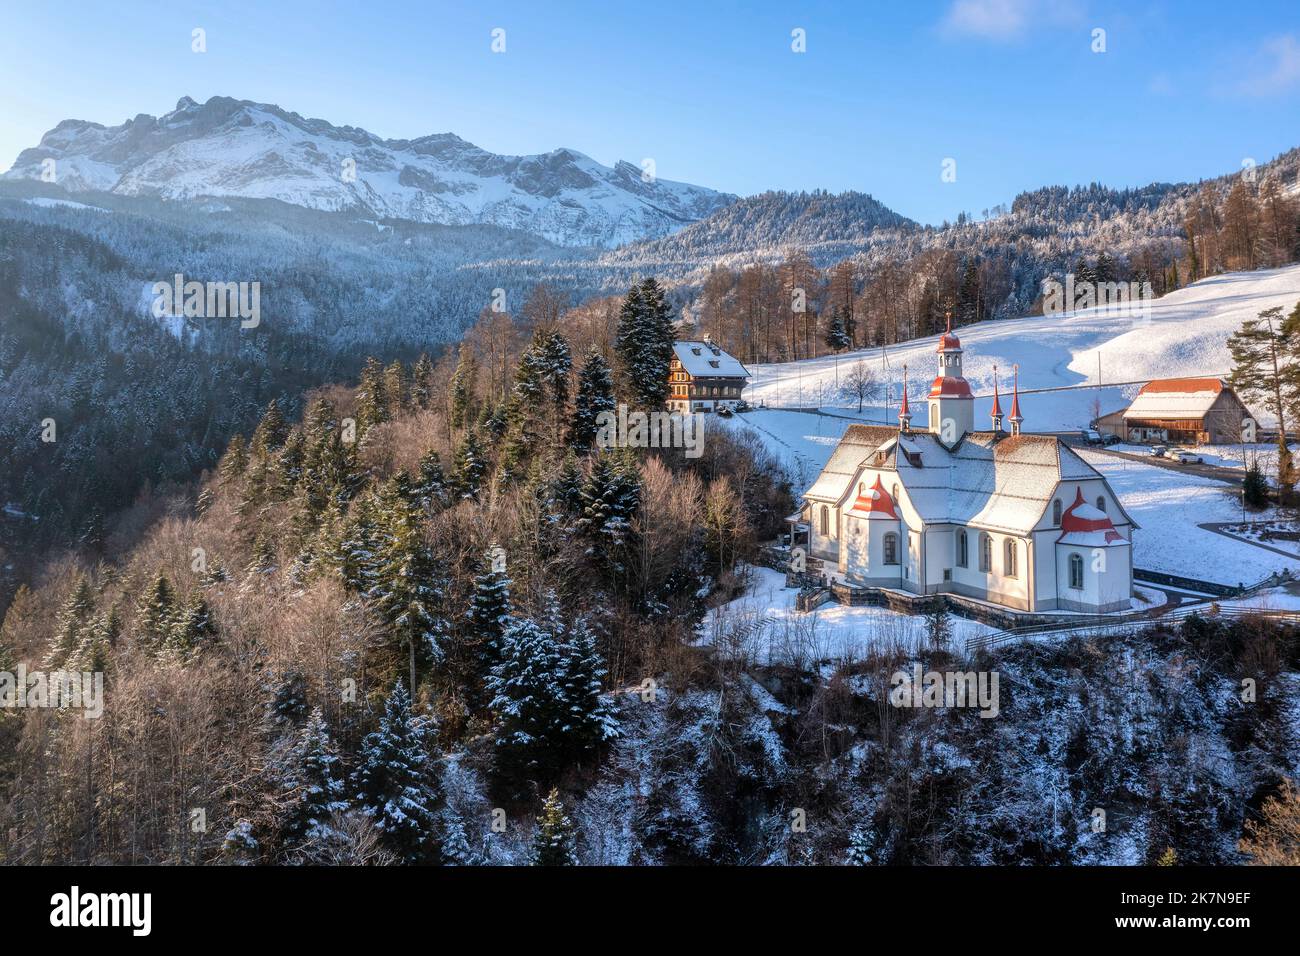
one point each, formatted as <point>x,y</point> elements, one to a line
<point>1092,436</point>
<point>724,411</point>
<point>1186,458</point>
<point>1158,451</point>
<point>1111,440</point>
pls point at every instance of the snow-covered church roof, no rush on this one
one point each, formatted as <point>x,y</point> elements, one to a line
<point>706,360</point>
<point>988,480</point>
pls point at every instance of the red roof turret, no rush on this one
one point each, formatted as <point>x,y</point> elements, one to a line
<point>876,502</point>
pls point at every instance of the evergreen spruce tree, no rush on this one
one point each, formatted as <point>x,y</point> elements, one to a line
<point>1254,487</point>
<point>155,612</point>
<point>430,490</point>
<point>547,695</point>
<point>74,619</point>
<point>610,500</point>
<point>485,622</point>
<point>463,388</point>
<point>406,591</point>
<point>471,466</point>
<point>235,460</point>
<point>312,788</point>
<point>837,333</point>
<point>1263,368</point>
<point>263,560</point>
<point>394,783</point>
<point>203,502</point>
<point>357,556</point>
<point>372,402</point>
<point>644,345</point>
<point>567,488</point>
<point>595,395</point>
<point>554,843</point>
<point>455,845</point>
<point>528,700</point>
<point>395,397</point>
<point>193,626</point>
<point>860,848</point>
<point>422,382</point>
<point>289,464</point>
<point>289,701</point>
<point>937,624</point>
<point>590,718</point>
<point>272,430</point>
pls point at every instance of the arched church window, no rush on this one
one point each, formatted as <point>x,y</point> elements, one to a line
<point>1009,558</point>
<point>1101,504</point>
<point>962,553</point>
<point>1076,572</point>
<point>891,548</point>
<point>1056,511</point>
<point>826,521</point>
<point>986,552</point>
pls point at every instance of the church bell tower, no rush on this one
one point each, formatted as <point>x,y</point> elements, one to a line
<point>952,406</point>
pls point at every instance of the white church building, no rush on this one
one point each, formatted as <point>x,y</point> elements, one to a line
<point>1014,519</point>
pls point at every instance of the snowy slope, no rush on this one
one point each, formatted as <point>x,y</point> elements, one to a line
<point>228,147</point>
<point>1186,335</point>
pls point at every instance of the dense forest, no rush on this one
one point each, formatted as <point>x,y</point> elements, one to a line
<point>429,622</point>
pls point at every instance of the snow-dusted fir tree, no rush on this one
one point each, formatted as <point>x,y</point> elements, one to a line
<point>610,499</point>
<point>422,382</point>
<point>74,620</point>
<point>644,344</point>
<point>486,619</point>
<point>837,333</point>
<point>312,786</point>
<point>546,691</point>
<point>193,625</point>
<point>455,845</point>
<point>528,698</point>
<point>154,612</point>
<point>357,553</point>
<point>590,717</point>
<point>430,490</point>
<point>471,465</point>
<point>553,844</point>
<point>372,403</point>
<point>463,388</point>
<point>394,784</point>
<point>595,394</point>
<point>407,589</point>
<point>860,848</point>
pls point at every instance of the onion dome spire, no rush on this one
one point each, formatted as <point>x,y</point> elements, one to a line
<point>1016,417</point>
<point>997,404</point>
<point>904,410</point>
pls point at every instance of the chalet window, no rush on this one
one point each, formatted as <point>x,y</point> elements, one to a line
<point>1056,511</point>
<point>826,521</point>
<point>1101,504</point>
<point>962,550</point>
<point>1076,572</point>
<point>1009,558</point>
<point>986,552</point>
<point>891,548</point>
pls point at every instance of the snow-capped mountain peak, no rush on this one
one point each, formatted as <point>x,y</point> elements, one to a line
<point>228,147</point>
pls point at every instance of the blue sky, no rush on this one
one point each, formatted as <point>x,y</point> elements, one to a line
<point>712,91</point>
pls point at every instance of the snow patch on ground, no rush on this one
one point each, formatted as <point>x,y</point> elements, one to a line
<point>763,626</point>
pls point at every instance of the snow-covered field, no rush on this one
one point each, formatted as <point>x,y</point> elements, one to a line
<point>763,626</point>
<point>1185,334</point>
